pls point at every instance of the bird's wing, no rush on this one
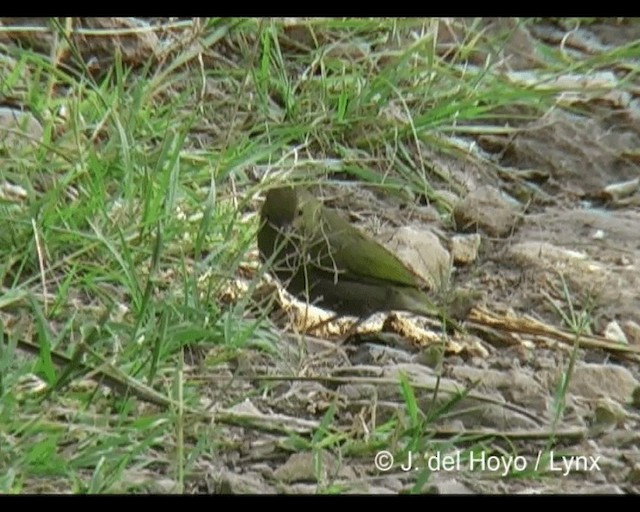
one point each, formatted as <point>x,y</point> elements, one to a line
<point>368,259</point>
<point>338,247</point>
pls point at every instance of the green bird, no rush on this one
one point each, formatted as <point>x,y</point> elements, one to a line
<point>320,257</point>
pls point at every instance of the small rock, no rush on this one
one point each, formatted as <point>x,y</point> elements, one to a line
<point>303,467</point>
<point>619,439</point>
<point>614,332</point>
<point>486,415</point>
<point>464,248</point>
<point>632,330</point>
<point>246,483</point>
<point>617,191</point>
<point>602,380</point>
<point>607,415</point>
<point>419,374</point>
<point>370,353</point>
<point>488,209</point>
<point>516,385</point>
<point>351,50</point>
<point>535,252</point>
<point>13,193</point>
<point>358,392</point>
<point>302,488</point>
<point>135,480</point>
<point>446,197</point>
<point>164,486</point>
<point>576,266</point>
<point>18,129</point>
<point>422,252</point>
<point>245,407</point>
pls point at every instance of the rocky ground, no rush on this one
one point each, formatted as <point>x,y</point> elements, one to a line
<point>558,263</point>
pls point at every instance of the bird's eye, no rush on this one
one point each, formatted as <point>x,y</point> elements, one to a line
<point>300,212</point>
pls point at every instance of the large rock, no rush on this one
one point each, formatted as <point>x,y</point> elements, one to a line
<point>487,209</point>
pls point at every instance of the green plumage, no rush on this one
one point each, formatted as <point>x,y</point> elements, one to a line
<point>322,258</point>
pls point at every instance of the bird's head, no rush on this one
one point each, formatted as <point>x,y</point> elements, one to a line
<point>280,207</point>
